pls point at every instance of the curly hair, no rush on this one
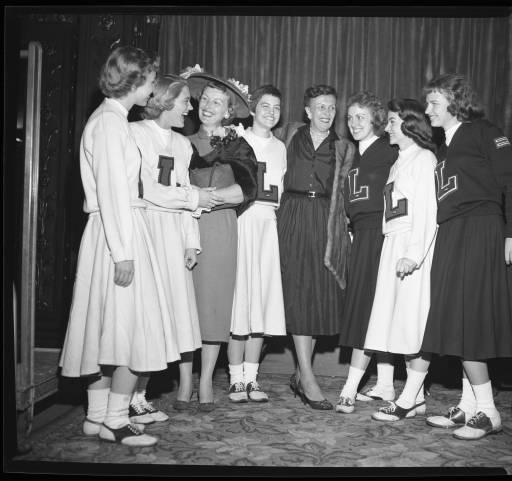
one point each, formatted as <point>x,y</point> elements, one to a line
<point>167,89</point>
<point>415,123</point>
<point>463,100</point>
<point>316,91</point>
<point>373,103</point>
<point>256,95</point>
<point>125,68</point>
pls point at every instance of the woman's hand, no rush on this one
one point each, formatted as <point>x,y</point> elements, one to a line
<point>405,267</point>
<point>508,251</point>
<point>190,258</point>
<point>208,198</point>
<point>123,274</point>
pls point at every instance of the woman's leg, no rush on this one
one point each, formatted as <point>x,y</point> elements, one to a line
<point>253,347</point>
<point>98,390</point>
<point>237,388</point>
<point>304,346</point>
<point>487,418</point>
<point>186,380</point>
<point>209,355</point>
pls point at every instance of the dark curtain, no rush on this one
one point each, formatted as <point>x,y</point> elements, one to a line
<point>390,56</point>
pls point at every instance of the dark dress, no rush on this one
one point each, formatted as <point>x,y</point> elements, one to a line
<point>312,298</point>
<point>215,272</point>
<point>364,203</point>
<point>471,287</point>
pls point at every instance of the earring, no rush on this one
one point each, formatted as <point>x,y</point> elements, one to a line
<point>226,116</point>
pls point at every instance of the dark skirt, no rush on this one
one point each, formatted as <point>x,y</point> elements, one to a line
<point>313,300</point>
<point>471,288</point>
<point>362,279</point>
<point>215,272</point>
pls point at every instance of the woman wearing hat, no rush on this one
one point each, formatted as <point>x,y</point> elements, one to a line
<point>214,276</point>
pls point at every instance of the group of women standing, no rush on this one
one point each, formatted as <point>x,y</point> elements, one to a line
<point>173,260</point>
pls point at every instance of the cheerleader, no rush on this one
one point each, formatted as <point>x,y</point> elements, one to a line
<point>119,322</point>
<point>258,308</point>
<point>470,316</point>
<point>364,204</point>
<point>171,206</point>
<point>402,294</point>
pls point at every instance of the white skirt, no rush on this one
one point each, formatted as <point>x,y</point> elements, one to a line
<point>169,239</point>
<point>400,307</point>
<point>258,306</point>
<point>113,325</point>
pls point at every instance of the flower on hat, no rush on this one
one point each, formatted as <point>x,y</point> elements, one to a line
<point>190,70</point>
<point>242,88</point>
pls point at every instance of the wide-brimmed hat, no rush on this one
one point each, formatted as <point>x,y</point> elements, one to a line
<point>197,80</point>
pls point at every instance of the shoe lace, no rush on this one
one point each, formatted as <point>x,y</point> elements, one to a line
<point>453,410</point>
<point>138,407</point>
<point>476,419</point>
<point>389,409</point>
<point>134,430</point>
<point>239,387</point>
<point>254,386</point>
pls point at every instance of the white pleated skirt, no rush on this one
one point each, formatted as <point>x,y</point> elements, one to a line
<point>258,306</point>
<point>400,306</point>
<point>169,239</point>
<point>113,325</point>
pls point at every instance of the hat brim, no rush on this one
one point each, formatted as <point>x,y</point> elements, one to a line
<point>197,81</point>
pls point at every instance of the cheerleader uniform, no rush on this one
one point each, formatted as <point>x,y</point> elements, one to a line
<point>364,206</point>
<point>258,300</point>
<point>109,324</point>
<point>400,307</point>
<point>170,204</point>
<point>215,273</point>
<point>471,314</point>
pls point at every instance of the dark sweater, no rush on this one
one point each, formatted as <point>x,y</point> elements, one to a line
<point>474,174</point>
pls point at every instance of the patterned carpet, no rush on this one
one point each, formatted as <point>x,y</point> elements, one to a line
<point>283,433</point>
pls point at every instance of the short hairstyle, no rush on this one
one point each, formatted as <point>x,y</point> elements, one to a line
<point>256,95</point>
<point>166,90</point>
<point>373,103</point>
<point>231,100</point>
<point>463,100</point>
<point>125,68</point>
<point>415,123</point>
<point>316,91</point>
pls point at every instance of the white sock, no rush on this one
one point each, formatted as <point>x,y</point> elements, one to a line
<point>236,373</point>
<point>385,372</point>
<point>351,384</point>
<point>421,393</point>
<point>117,410</point>
<point>250,371</point>
<point>467,401</point>
<point>484,398</point>
<point>97,402</point>
<point>412,386</point>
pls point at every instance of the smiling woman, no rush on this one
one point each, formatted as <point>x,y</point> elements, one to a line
<point>172,207</point>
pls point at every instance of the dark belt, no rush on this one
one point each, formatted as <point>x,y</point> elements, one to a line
<point>308,193</point>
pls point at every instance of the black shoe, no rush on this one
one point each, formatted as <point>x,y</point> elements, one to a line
<point>128,435</point>
<point>323,405</point>
<point>138,414</point>
<point>393,412</point>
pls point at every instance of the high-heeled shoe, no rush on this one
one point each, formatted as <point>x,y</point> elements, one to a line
<point>323,405</point>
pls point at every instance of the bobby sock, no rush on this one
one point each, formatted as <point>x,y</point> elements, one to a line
<point>467,401</point>
<point>385,373</point>
<point>484,398</point>
<point>236,373</point>
<point>250,371</point>
<point>421,393</point>
<point>97,402</point>
<point>412,386</point>
<point>351,384</point>
<point>117,410</point>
